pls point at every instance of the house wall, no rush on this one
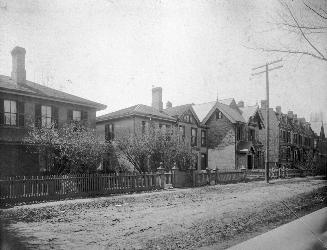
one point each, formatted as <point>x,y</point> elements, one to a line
<point>14,159</point>
<point>273,136</point>
<point>221,143</point>
<point>131,124</point>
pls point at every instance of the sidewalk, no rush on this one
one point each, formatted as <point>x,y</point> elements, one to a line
<point>295,235</point>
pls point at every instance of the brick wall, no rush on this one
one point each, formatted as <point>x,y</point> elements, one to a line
<point>17,160</point>
<point>273,136</point>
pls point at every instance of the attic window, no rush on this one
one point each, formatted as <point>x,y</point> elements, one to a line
<point>219,115</point>
<point>187,118</point>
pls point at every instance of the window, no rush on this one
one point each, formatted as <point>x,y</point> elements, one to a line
<point>182,131</point>
<point>194,132</point>
<point>203,138</point>
<point>288,136</point>
<point>10,112</point>
<point>203,161</point>
<point>109,132</point>
<point>46,116</point>
<point>143,127</point>
<point>288,153</point>
<point>239,133</point>
<point>251,136</point>
<point>187,118</point>
<point>219,115</point>
<point>77,115</point>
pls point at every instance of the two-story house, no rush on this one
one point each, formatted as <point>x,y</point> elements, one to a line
<point>228,144</point>
<point>25,104</point>
<point>193,132</point>
<point>137,118</point>
<point>291,138</point>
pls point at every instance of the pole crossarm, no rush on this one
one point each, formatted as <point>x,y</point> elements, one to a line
<point>264,71</point>
<point>276,61</point>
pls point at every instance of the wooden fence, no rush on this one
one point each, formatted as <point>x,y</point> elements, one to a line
<point>277,173</point>
<point>27,189</point>
<point>20,189</point>
<point>213,177</point>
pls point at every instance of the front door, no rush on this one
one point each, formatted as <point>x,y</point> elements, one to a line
<point>250,161</point>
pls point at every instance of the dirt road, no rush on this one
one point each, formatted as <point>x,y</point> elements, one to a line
<point>180,218</point>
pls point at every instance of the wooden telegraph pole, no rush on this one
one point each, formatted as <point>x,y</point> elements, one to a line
<point>266,70</point>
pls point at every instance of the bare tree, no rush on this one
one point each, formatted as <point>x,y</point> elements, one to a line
<point>145,150</point>
<point>304,25</point>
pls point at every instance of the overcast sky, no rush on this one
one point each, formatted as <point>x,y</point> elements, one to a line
<point>113,51</point>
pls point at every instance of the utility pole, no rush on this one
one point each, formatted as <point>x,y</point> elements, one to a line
<point>266,70</point>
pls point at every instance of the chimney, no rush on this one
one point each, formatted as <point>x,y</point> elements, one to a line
<point>240,104</point>
<point>279,109</point>
<point>169,105</point>
<point>264,104</point>
<point>18,73</point>
<point>295,116</point>
<point>290,114</point>
<point>157,98</point>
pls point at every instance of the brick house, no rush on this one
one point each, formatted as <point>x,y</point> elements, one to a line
<point>25,104</point>
<point>192,130</point>
<point>137,118</point>
<point>292,139</point>
<point>232,137</point>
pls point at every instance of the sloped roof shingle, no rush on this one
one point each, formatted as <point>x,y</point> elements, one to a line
<point>38,90</point>
<point>139,109</point>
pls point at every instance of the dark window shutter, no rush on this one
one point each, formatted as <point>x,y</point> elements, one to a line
<point>54,116</point>
<point>84,115</point>
<point>21,114</point>
<point>69,115</point>
<point>113,132</point>
<point>106,132</point>
<point>2,115</point>
<point>38,115</point>
<point>84,118</point>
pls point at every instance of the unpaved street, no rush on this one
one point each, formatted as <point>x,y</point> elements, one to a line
<point>179,218</point>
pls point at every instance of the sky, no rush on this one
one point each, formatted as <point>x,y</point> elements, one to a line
<point>114,52</point>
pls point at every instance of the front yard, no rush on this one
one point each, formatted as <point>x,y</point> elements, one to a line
<point>180,218</point>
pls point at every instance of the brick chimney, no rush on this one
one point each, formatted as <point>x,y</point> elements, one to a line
<point>264,104</point>
<point>157,98</point>
<point>169,105</point>
<point>278,109</point>
<point>290,114</point>
<point>240,104</point>
<point>18,73</point>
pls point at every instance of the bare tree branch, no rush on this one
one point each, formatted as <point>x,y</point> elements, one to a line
<point>316,12</point>
<point>293,52</point>
<point>304,36</point>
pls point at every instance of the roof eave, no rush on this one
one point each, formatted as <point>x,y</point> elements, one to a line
<point>97,106</point>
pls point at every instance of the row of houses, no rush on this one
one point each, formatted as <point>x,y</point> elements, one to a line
<point>222,134</point>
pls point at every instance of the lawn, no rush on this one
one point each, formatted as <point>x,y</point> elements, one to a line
<point>178,218</point>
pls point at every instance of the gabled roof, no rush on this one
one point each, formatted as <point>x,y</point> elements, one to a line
<point>39,91</point>
<point>205,110</point>
<point>139,109</point>
<point>249,111</point>
<point>179,111</point>
<point>272,116</point>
